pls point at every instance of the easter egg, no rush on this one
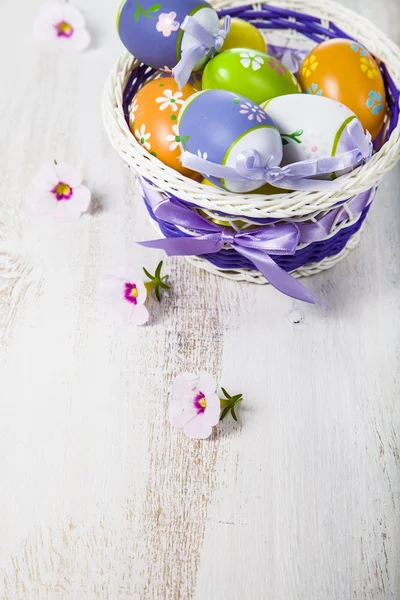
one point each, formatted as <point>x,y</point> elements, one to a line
<point>265,190</point>
<point>345,71</point>
<point>253,74</point>
<point>311,127</point>
<point>153,118</point>
<point>218,125</point>
<point>243,34</point>
<point>151,31</point>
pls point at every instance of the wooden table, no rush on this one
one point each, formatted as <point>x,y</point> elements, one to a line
<point>99,497</point>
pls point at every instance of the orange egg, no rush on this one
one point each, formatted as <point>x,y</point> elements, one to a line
<point>153,120</point>
<point>345,71</point>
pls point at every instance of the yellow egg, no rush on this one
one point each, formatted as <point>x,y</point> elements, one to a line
<point>244,35</point>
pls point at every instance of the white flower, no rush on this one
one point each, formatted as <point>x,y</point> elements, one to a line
<point>142,137</point>
<point>62,26</point>
<point>58,190</point>
<point>174,138</point>
<point>124,293</point>
<point>251,59</point>
<point>204,155</point>
<point>195,406</point>
<point>170,99</point>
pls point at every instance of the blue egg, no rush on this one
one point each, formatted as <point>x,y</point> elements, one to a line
<point>151,30</point>
<point>219,125</point>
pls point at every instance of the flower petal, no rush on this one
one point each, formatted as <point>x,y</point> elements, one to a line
<point>81,198</point>
<point>213,410</point>
<point>69,175</point>
<point>51,13</point>
<point>128,274</point>
<point>207,383</point>
<point>46,178</point>
<point>78,42</point>
<point>198,428</point>
<point>184,386</point>
<point>73,16</point>
<point>111,290</point>
<point>181,412</point>
<point>139,315</point>
<point>65,211</point>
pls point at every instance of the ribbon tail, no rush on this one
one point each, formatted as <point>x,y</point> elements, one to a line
<point>186,65</point>
<point>277,277</point>
<point>186,246</point>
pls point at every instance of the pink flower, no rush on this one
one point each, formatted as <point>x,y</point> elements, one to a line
<point>195,406</point>
<point>124,294</point>
<point>167,24</point>
<point>61,26</point>
<point>275,64</point>
<point>58,190</point>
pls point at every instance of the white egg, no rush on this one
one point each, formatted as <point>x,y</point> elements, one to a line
<point>310,126</point>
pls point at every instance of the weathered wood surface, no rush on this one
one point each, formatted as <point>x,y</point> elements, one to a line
<point>99,497</point>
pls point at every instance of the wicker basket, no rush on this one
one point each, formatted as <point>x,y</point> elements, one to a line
<point>296,24</point>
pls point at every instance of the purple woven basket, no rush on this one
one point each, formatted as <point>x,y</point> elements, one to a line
<point>311,251</point>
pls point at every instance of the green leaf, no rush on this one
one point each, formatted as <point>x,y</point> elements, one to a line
<point>158,295</point>
<point>298,132</point>
<point>154,8</point>
<point>284,141</point>
<point>137,15</point>
<point>224,413</point>
<point>147,273</point>
<point>158,270</point>
<point>234,414</point>
<point>225,393</point>
<point>185,139</point>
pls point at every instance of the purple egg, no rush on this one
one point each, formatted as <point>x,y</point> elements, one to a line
<point>151,31</point>
<point>218,125</point>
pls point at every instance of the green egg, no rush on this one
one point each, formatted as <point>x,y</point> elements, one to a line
<point>253,74</point>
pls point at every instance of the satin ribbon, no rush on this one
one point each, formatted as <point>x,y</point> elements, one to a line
<point>256,245</point>
<point>208,45</point>
<point>250,166</point>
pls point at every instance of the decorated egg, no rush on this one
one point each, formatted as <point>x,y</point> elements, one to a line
<point>251,73</point>
<point>153,117</point>
<point>243,34</point>
<point>151,31</point>
<point>345,71</point>
<point>218,126</point>
<point>311,127</point>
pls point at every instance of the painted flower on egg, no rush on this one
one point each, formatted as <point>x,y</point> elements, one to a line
<point>374,102</point>
<point>61,26</point>
<point>195,405</point>
<point>174,138</point>
<point>124,294</point>
<point>57,190</point>
<point>310,64</point>
<point>279,67</point>
<point>253,112</point>
<point>368,66</point>
<point>251,59</point>
<point>167,24</point>
<point>314,89</point>
<point>170,100</point>
<point>142,136</point>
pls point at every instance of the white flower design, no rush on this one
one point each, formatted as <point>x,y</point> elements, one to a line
<point>253,111</point>
<point>174,138</point>
<point>142,137</point>
<point>170,100</point>
<point>204,155</point>
<point>61,26</point>
<point>251,59</point>
<point>167,24</point>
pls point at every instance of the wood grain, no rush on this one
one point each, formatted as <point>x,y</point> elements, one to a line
<point>99,497</point>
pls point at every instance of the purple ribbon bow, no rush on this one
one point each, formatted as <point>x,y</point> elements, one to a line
<point>208,45</point>
<point>250,165</point>
<point>256,245</point>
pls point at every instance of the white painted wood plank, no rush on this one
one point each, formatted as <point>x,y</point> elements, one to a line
<point>99,498</point>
